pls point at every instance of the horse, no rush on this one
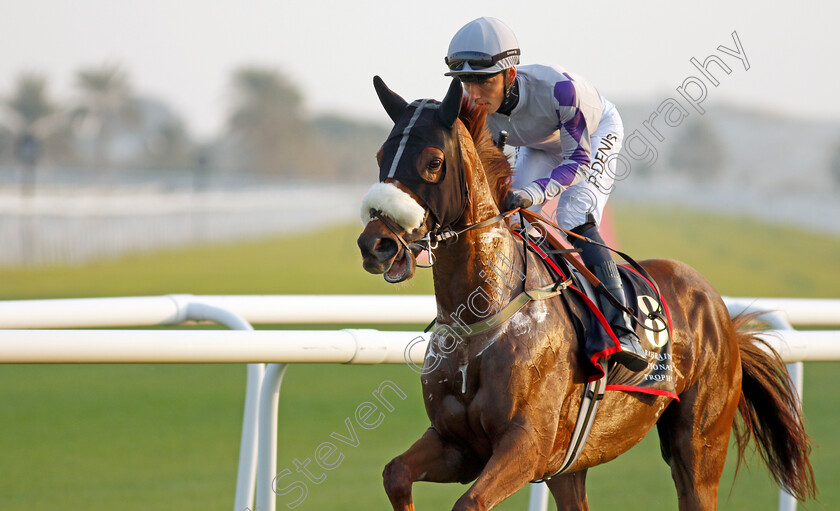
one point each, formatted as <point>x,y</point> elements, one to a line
<point>503,403</point>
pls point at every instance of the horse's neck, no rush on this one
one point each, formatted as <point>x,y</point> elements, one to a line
<point>478,275</point>
<point>480,269</point>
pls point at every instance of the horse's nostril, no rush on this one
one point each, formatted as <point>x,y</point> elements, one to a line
<point>384,248</point>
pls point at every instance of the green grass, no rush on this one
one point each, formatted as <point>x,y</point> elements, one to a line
<point>740,257</point>
<point>323,262</point>
<point>98,437</point>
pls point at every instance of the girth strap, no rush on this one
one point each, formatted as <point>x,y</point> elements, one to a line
<point>593,393</point>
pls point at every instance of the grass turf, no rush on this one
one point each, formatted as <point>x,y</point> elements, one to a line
<point>166,436</point>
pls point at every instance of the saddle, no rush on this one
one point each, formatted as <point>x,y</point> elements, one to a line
<point>653,326</point>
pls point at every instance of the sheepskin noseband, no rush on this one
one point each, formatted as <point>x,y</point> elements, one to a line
<point>393,203</point>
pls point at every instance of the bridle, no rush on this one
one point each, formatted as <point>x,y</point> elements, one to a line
<point>439,234</point>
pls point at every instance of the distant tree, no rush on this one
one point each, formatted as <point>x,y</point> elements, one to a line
<point>156,137</point>
<point>29,103</point>
<point>266,120</point>
<point>348,147</point>
<point>834,164</point>
<point>698,152</point>
<point>6,145</point>
<point>34,117</point>
<point>169,146</point>
<point>104,105</point>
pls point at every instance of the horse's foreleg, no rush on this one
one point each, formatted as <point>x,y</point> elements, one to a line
<point>509,469</point>
<point>431,459</point>
<point>569,491</point>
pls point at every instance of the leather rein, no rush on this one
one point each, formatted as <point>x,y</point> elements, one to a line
<point>433,238</point>
<point>448,235</point>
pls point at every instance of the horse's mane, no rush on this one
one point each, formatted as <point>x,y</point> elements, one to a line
<point>496,165</point>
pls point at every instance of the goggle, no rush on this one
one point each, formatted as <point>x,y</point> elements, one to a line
<point>476,60</point>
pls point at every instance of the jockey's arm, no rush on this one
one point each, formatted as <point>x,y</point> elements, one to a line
<point>574,137</point>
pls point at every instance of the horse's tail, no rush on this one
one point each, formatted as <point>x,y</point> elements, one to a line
<point>770,411</point>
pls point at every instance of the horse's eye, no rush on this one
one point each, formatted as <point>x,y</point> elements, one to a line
<point>430,165</point>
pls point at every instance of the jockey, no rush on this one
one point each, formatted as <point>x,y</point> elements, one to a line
<point>567,137</point>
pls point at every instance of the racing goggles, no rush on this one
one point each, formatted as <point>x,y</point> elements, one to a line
<point>476,60</point>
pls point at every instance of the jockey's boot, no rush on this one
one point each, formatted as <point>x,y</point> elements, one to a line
<point>632,355</point>
<point>597,258</point>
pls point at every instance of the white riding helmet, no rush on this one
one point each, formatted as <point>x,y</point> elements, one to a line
<point>482,46</point>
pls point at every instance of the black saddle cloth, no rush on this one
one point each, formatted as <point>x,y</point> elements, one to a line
<point>652,324</point>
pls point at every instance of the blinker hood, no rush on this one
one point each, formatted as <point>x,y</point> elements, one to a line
<point>419,125</point>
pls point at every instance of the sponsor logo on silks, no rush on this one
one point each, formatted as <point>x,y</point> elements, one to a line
<point>656,330</point>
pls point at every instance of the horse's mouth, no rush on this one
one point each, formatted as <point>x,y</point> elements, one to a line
<point>402,267</point>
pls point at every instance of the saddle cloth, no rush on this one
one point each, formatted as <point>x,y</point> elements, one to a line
<point>654,331</point>
<point>654,334</point>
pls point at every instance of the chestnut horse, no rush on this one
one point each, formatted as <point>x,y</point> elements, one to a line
<point>503,403</point>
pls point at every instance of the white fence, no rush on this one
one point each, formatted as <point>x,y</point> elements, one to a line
<point>70,226</point>
<point>258,453</point>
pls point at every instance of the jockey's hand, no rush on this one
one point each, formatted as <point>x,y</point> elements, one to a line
<point>517,199</point>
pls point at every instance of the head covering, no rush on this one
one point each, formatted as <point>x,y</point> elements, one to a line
<point>421,124</point>
<point>482,46</point>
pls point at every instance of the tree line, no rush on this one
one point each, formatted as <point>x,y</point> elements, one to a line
<point>109,126</point>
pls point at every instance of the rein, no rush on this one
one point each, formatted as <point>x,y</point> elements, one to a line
<point>535,218</point>
<point>445,234</point>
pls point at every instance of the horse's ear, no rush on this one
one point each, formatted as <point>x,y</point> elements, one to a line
<point>451,104</point>
<point>394,104</point>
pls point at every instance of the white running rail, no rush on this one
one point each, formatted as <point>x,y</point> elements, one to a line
<point>258,448</point>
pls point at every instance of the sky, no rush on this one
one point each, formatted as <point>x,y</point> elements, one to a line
<point>184,51</point>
